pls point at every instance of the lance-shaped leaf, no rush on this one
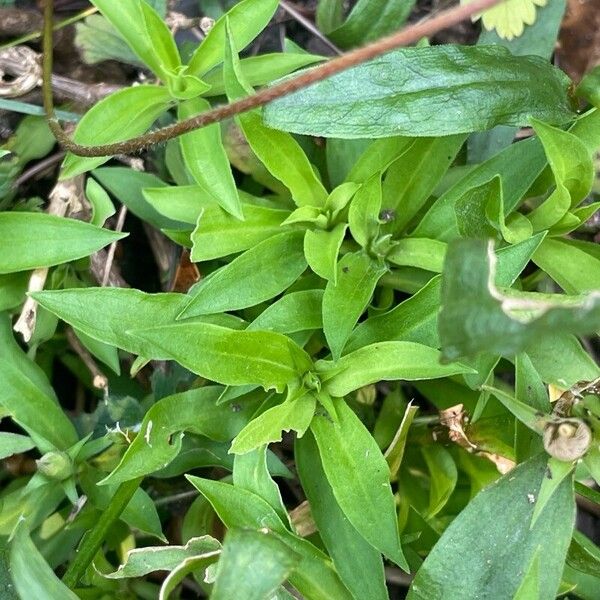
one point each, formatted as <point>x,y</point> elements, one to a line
<point>424,91</point>
<point>358,563</point>
<point>492,566</point>
<point>253,564</point>
<point>27,394</point>
<point>384,361</point>
<point>57,240</point>
<point>117,117</point>
<point>294,413</point>
<point>321,249</point>
<point>477,317</point>
<point>13,443</point>
<point>573,170</point>
<point>231,357</point>
<point>346,300</point>
<point>314,577</point>
<point>278,151</point>
<point>370,20</point>
<point>145,33</point>
<point>160,437</point>
<point>141,561</point>
<point>32,576</point>
<point>108,314</point>
<point>205,157</point>
<point>260,273</point>
<point>246,20</point>
<point>360,479</point>
<point>218,234</point>
<point>250,471</point>
<point>418,252</point>
<point>296,311</point>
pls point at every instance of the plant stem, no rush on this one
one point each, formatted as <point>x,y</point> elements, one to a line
<point>406,36</point>
<point>93,541</point>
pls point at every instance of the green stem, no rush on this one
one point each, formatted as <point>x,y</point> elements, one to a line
<point>93,541</point>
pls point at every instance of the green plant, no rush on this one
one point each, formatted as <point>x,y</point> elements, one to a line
<point>402,260</point>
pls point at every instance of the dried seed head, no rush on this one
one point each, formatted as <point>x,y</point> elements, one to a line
<point>567,439</point>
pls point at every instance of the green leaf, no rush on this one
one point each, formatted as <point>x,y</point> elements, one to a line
<point>321,249</point>
<point>573,170</point>
<point>230,357</point>
<point>102,206</point>
<point>31,574</point>
<point>128,186</point>
<point>401,94</point>
<point>160,437</point>
<point>556,471</point>
<point>252,566</point>
<point>418,252</point>
<point>378,156</point>
<point>108,314</point>
<point>314,577</point>
<point>117,117</point>
<point>395,452</point>
<point>58,240</point>
<point>492,566</point>
<point>359,477</point>
<point>26,394</point>
<point>412,177</point>
<point>584,555</point>
<point>518,166</point>
<point>477,317</point>
<point>370,20</point>
<point>574,265</point>
<point>363,216</point>
<point>384,361</point>
<point>141,561</point>
<point>250,472</point>
<point>205,157</point>
<point>13,288</point>
<point>13,443</point>
<point>278,151</point>
<point>293,413</point>
<point>443,476</point>
<point>108,354</point>
<point>244,283</point>
<point>246,20</point>
<point>218,234</point>
<point>145,33</point>
<point>296,311</point>
<point>259,70</point>
<point>358,563</point>
<point>346,300</point>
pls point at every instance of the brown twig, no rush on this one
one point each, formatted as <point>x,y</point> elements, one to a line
<point>308,25</point>
<point>406,36</point>
<point>40,166</point>
<point>99,379</point>
<point>112,248</point>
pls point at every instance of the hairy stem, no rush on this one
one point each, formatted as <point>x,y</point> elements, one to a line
<point>353,58</point>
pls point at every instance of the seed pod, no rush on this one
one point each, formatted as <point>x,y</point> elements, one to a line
<point>567,439</point>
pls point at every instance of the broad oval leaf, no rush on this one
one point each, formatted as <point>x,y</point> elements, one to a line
<point>384,361</point>
<point>117,117</point>
<point>230,357</point>
<point>492,566</point>
<point>260,273</point>
<point>424,92</point>
<point>360,479</point>
<point>57,240</point>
